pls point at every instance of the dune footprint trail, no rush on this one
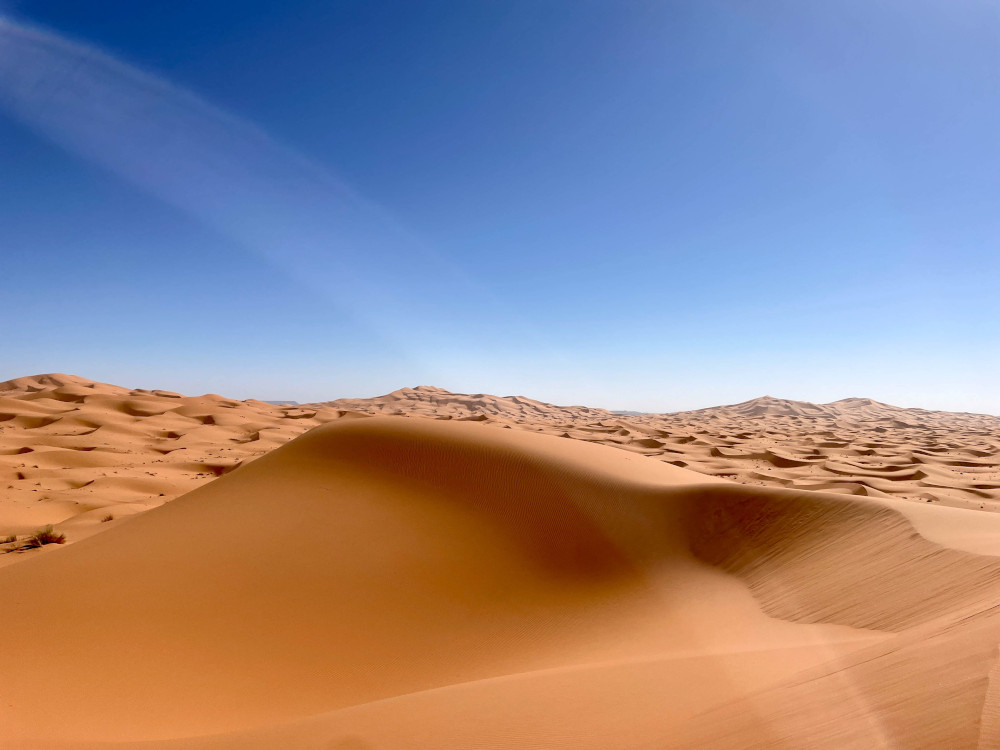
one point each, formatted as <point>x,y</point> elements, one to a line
<point>406,583</point>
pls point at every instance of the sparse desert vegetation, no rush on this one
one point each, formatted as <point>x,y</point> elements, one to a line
<point>45,535</point>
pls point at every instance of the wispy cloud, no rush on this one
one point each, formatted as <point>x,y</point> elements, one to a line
<point>232,176</point>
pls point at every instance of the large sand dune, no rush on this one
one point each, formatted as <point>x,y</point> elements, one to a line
<point>417,583</point>
<point>74,452</point>
<point>464,582</point>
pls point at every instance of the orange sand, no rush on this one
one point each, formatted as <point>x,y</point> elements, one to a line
<point>419,583</point>
<point>855,446</point>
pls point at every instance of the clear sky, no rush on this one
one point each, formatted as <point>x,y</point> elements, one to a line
<point>642,205</point>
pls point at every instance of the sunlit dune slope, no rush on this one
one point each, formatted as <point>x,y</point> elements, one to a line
<point>390,583</point>
<point>75,452</point>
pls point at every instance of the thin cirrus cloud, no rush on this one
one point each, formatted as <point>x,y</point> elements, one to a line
<point>232,176</point>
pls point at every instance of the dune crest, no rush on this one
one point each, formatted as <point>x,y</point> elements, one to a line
<point>857,446</point>
<point>74,452</point>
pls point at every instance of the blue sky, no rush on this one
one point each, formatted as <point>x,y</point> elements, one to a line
<point>645,205</point>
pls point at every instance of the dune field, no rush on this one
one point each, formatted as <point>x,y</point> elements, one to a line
<point>856,445</point>
<point>73,451</point>
<point>438,570</point>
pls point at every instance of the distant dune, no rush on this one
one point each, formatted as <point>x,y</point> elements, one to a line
<point>855,445</point>
<point>426,400</point>
<point>474,579</point>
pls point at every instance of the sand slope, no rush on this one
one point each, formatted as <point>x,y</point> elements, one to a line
<point>413,583</point>
<point>74,452</point>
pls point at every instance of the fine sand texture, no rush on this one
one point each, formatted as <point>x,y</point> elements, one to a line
<point>468,582</point>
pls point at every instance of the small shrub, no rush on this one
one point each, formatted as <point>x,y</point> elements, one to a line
<point>109,517</point>
<point>45,536</point>
<point>9,539</point>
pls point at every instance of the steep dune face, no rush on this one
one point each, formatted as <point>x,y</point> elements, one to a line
<point>437,584</point>
<point>793,551</point>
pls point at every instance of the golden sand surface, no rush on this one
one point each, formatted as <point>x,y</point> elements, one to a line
<point>312,577</point>
<point>856,445</point>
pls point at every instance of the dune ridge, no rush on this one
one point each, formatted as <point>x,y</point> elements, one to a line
<point>74,451</point>
<point>857,446</point>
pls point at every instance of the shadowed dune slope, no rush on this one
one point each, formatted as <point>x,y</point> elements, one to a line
<point>388,583</point>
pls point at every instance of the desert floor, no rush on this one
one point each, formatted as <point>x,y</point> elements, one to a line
<point>453,572</point>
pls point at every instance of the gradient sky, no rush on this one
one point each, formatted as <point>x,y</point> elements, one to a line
<point>640,205</point>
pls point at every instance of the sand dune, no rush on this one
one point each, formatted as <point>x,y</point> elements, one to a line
<point>73,451</point>
<point>438,403</point>
<point>414,583</point>
<point>459,574</point>
<point>856,445</point>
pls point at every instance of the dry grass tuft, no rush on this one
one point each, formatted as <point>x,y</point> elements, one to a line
<point>45,536</point>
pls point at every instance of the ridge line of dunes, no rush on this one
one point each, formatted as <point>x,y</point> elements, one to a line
<point>74,452</point>
<point>856,446</point>
<point>407,583</point>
